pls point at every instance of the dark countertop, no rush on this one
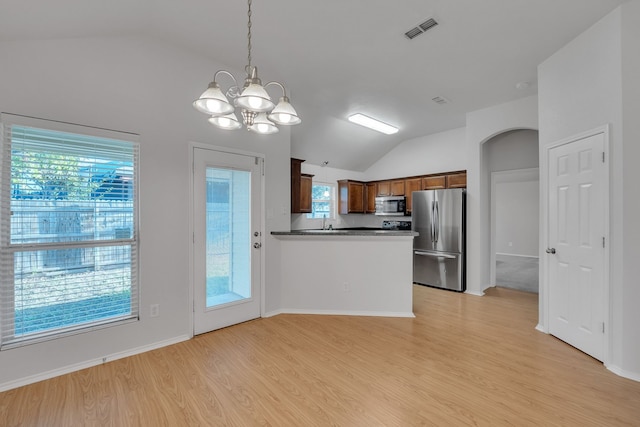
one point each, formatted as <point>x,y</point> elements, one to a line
<point>355,231</point>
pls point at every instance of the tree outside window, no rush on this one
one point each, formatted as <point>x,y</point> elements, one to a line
<point>322,201</point>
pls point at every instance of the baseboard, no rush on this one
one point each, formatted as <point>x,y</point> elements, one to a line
<point>475,293</point>
<point>626,374</point>
<point>341,313</point>
<point>89,363</point>
<point>540,328</point>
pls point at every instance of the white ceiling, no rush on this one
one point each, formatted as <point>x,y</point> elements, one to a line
<point>337,57</point>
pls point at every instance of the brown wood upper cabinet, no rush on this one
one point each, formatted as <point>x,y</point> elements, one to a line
<point>434,182</point>
<point>411,185</point>
<point>300,188</point>
<point>351,196</point>
<point>458,180</point>
<point>397,187</point>
<point>383,188</point>
<point>359,197</point>
<point>306,184</point>
<point>370,197</point>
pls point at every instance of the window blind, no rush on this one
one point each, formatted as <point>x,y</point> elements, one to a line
<point>68,229</point>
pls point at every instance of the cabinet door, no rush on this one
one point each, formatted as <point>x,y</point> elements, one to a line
<point>356,197</point>
<point>411,185</point>
<point>351,197</point>
<point>306,184</point>
<point>458,180</point>
<point>295,185</point>
<point>370,197</point>
<point>397,187</point>
<point>434,182</point>
<point>384,188</point>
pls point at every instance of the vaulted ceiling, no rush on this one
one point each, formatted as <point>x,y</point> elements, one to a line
<point>338,57</point>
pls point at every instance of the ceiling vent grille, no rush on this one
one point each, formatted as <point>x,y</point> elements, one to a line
<point>421,28</point>
<point>440,100</point>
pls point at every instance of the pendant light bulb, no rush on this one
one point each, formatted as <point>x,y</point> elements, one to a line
<point>284,113</point>
<point>213,102</point>
<point>262,125</point>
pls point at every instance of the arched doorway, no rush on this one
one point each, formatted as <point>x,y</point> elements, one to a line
<point>510,169</point>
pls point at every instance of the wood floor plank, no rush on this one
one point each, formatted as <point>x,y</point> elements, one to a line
<point>463,360</point>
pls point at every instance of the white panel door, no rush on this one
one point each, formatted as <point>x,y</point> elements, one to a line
<point>576,255</point>
<point>227,194</point>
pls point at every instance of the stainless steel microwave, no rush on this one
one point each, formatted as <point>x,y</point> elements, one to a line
<point>391,205</point>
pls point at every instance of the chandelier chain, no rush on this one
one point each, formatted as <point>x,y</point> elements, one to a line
<point>249,38</point>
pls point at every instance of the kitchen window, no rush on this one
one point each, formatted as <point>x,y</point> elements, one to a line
<point>68,229</point>
<point>322,201</point>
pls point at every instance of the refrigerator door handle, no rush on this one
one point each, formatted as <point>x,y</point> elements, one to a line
<point>436,222</point>
<point>432,221</point>
<point>435,255</point>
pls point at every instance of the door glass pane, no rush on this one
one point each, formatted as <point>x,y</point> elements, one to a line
<point>228,240</point>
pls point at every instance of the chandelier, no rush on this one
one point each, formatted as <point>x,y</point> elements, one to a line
<point>259,114</point>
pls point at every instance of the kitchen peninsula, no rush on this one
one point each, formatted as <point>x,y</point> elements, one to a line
<point>365,272</point>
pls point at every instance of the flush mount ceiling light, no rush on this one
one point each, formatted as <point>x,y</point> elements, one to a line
<point>374,124</point>
<point>259,114</point>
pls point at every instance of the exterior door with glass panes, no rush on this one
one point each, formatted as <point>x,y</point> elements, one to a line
<point>227,195</point>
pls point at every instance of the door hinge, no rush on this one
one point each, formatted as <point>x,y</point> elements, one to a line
<point>603,242</point>
<point>603,157</point>
<point>603,327</point>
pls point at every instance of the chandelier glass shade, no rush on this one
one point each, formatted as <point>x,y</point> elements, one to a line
<point>259,113</point>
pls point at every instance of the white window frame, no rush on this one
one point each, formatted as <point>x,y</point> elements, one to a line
<point>332,200</point>
<point>8,339</point>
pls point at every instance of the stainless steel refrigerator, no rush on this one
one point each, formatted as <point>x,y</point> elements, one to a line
<point>439,249</point>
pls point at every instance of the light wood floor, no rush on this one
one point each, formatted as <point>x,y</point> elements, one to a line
<point>463,360</point>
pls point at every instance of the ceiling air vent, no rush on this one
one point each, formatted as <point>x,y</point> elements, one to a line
<point>440,100</point>
<point>416,31</point>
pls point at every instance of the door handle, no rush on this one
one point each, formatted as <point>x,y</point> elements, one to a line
<point>435,255</point>
<point>257,245</point>
<point>551,251</point>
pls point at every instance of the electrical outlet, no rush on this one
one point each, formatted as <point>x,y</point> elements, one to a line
<point>346,287</point>
<point>510,244</point>
<point>154,310</point>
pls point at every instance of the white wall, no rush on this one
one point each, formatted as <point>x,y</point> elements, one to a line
<point>629,342</point>
<point>136,85</point>
<point>516,218</point>
<point>592,82</point>
<point>439,152</point>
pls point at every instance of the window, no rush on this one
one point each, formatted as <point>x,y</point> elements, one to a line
<point>322,201</point>
<point>68,229</point>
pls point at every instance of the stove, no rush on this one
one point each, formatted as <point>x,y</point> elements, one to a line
<point>396,225</point>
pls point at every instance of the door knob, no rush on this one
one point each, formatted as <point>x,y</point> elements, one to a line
<point>551,250</point>
<point>257,245</point>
